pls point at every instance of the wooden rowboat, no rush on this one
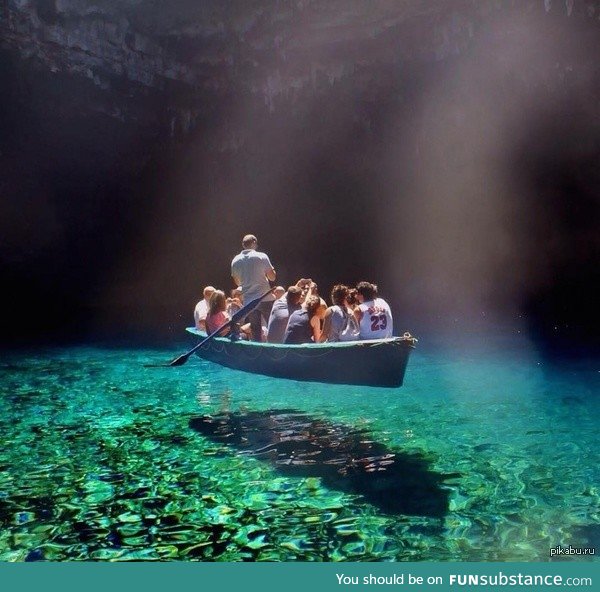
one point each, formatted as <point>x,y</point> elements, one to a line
<point>377,362</point>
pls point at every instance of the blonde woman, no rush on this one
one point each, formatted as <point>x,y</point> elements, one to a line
<point>217,313</point>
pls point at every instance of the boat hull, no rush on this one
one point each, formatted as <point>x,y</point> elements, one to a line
<point>380,362</point>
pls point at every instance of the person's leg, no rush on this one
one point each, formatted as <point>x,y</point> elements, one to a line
<point>259,317</point>
<point>265,311</point>
<point>246,332</point>
<point>255,318</point>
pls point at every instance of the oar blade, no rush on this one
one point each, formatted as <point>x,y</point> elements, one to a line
<point>180,361</point>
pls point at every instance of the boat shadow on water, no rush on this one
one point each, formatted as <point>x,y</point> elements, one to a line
<point>344,458</point>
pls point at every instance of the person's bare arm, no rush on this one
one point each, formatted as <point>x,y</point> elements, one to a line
<point>315,323</point>
<point>326,326</point>
<point>270,275</point>
<point>358,315</point>
<point>227,330</point>
<point>310,291</point>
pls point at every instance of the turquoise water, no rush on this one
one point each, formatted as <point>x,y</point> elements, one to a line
<point>488,452</point>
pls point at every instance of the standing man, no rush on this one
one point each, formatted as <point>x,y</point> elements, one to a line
<point>252,271</point>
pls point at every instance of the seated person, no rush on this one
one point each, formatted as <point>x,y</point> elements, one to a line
<point>280,313</point>
<point>217,313</point>
<point>234,302</point>
<point>339,323</point>
<point>304,325</point>
<point>278,292</point>
<point>201,309</point>
<point>351,331</point>
<point>373,314</point>
<point>309,288</point>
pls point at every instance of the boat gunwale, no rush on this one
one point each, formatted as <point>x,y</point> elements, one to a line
<point>409,342</point>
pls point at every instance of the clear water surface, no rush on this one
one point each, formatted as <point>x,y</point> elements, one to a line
<point>487,452</point>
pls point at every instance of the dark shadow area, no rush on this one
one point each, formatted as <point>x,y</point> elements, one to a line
<point>588,535</point>
<point>343,457</point>
<point>449,155</point>
<point>561,183</point>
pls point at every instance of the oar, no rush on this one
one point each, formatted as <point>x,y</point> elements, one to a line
<point>240,314</point>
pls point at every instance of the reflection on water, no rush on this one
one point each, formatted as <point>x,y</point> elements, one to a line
<point>345,458</point>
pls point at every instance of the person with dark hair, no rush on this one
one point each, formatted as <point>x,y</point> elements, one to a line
<point>339,323</point>
<point>373,314</point>
<point>304,325</point>
<point>291,301</point>
<point>252,270</point>
<point>280,314</point>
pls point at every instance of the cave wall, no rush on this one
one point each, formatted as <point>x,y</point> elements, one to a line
<point>140,139</point>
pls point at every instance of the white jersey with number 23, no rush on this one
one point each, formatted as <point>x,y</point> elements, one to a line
<point>376,322</point>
